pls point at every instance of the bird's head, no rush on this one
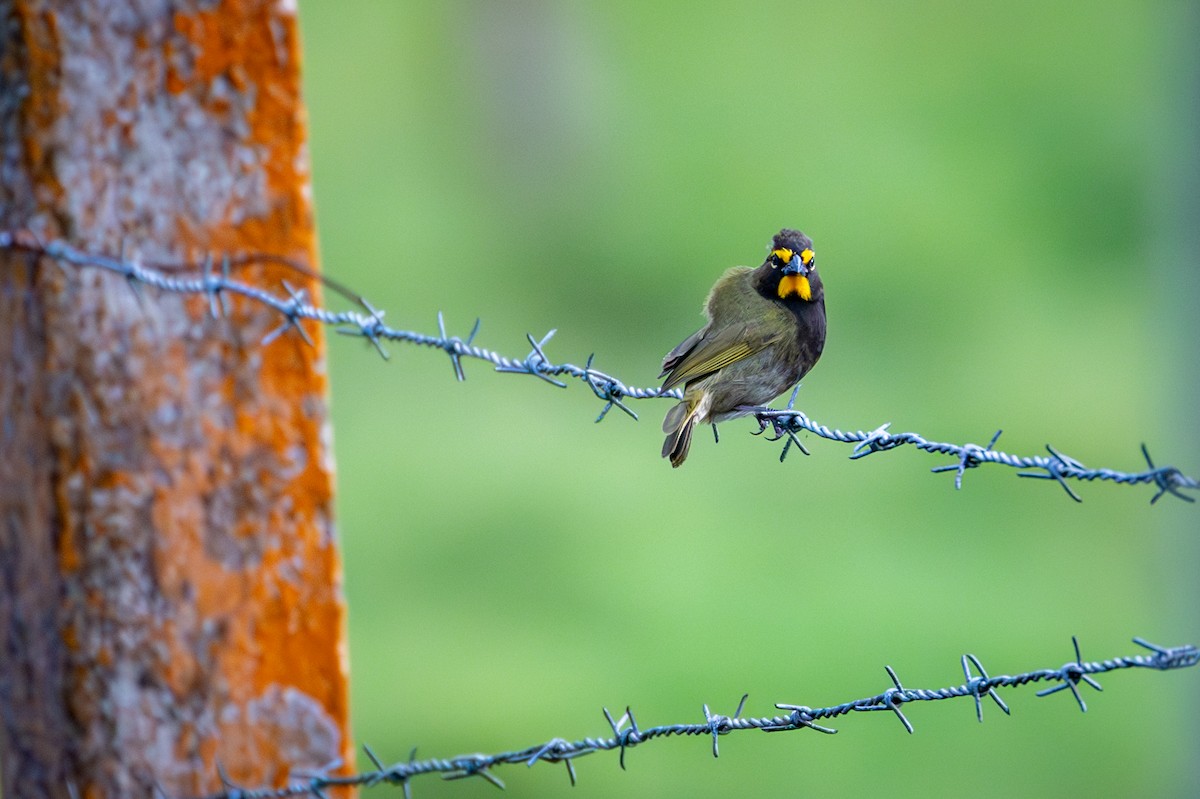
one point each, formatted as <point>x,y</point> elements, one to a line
<point>793,266</point>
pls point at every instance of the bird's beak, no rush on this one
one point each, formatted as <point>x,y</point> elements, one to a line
<point>796,266</point>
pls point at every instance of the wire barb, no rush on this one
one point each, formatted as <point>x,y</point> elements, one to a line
<point>453,347</point>
<point>292,311</point>
<point>982,684</point>
<point>214,284</point>
<point>891,699</point>
<point>969,460</point>
<point>1168,479</point>
<point>801,716</point>
<point>786,424</point>
<point>1071,674</point>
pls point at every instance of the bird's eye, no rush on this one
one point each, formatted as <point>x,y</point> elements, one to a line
<point>781,257</point>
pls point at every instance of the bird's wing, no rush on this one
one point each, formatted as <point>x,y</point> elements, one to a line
<point>672,358</point>
<point>714,351</point>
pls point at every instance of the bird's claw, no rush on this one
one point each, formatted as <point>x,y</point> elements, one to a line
<point>781,424</point>
<point>766,417</point>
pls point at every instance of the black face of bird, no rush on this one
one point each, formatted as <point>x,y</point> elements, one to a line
<point>793,268</point>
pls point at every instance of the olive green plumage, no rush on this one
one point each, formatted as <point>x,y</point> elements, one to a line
<point>766,329</point>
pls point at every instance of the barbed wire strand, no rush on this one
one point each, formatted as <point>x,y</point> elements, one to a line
<point>293,306</point>
<point>627,734</point>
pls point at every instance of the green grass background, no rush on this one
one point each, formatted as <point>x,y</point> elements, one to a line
<point>999,197</point>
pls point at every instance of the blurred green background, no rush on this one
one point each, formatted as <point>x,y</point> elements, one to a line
<point>1002,201</point>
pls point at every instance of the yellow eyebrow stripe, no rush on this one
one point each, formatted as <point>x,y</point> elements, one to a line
<point>806,257</point>
<point>783,254</point>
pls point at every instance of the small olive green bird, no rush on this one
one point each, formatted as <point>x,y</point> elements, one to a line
<point>766,329</point>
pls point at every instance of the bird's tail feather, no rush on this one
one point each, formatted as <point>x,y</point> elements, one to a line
<point>678,426</point>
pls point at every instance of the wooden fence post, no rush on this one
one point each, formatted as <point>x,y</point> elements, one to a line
<point>170,594</point>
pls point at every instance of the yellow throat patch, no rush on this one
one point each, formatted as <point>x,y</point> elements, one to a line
<point>795,284</point>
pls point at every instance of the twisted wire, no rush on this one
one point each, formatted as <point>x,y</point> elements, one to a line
<point>626,733</point>
<point>294,307</point>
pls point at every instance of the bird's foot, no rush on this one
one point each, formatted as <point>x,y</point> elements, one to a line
<point>778,421</point>
<point>766,416</point>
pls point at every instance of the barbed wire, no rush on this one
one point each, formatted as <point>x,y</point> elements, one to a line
<point>215,283</point>
<point>627,734</point>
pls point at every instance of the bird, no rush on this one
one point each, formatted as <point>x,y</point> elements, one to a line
<point>765,331</point>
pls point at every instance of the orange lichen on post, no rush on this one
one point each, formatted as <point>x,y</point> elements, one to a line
<point>258,57</point>
<point>193,579</point>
